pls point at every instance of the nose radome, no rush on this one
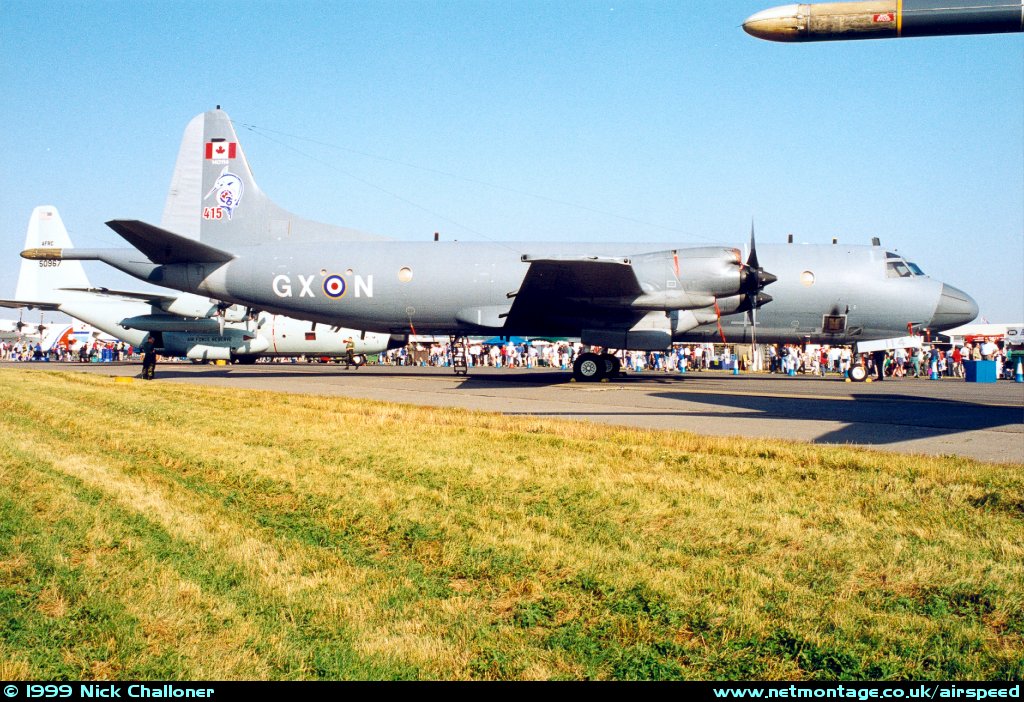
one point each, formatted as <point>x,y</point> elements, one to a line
<point>954,309</point>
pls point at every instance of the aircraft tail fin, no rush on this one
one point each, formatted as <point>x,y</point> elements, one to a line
<point>214,197</point>
<point>42,281</point>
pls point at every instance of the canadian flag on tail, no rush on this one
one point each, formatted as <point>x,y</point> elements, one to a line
<point>219,150</point>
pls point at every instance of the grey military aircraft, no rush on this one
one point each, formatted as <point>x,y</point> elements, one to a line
<point>223,237</point>
<point>13,330</point>
<point>183,324</point>
<point>885,19</point>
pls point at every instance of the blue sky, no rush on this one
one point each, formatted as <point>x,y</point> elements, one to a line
<point>578,121</point>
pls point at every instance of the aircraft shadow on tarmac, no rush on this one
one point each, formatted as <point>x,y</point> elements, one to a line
<point>870,419</point>
<point>542,378</point>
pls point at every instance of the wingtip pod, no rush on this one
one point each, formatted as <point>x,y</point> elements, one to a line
<point>783,23</point>
<point>885,19</point>
<point>43,254</point>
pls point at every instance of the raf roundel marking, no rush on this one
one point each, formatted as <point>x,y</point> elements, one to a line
<point>334,286</point>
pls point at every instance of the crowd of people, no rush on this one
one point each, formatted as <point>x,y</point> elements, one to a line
<point>561,355</point>
<point>927,361</point>
<point>786,359</point>
<point>77,353</point>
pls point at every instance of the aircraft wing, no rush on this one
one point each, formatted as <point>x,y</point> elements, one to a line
<point>164,247</point>
<point>50,306</point>
<point>580,277</point>
<point>154,298</point>
<point>556,286</point>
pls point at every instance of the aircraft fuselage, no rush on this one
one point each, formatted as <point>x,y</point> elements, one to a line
<point>827,294</point>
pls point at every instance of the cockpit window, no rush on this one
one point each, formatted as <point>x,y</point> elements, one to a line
<point>897,269</point>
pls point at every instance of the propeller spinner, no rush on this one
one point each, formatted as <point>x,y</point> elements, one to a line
<point>754,282</point>
<point>753,278</point>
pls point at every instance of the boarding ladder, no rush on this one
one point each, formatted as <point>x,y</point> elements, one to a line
<point>460,355</point>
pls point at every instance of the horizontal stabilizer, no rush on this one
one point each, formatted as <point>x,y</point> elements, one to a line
<point>153,298</point>
<point>50,306</point>
<point>164,247</point>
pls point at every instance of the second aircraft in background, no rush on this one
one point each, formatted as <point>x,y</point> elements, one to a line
<point>182,324</point>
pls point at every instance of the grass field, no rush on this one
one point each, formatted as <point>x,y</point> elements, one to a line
<point>156,530</point>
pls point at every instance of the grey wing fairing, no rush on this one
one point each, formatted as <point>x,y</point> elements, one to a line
<point>557,289</point>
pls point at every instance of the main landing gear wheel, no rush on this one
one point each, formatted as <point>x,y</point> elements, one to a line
<point>589,367</point>
<point>858,374</point>
<point>612,365</point>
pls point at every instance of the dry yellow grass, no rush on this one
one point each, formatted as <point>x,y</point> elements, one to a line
<point>172,531</point>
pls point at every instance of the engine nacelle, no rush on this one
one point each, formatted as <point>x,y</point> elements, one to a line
<point>639,340</point>
<point>652,333</point>
<point>236,313</point>
<point>699,273</point>
<point>171,323</point>
<point>197,306</point>
<point>742,303</point>
<point>189,305</point>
